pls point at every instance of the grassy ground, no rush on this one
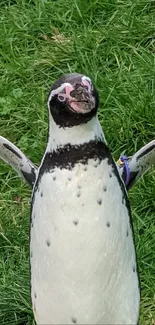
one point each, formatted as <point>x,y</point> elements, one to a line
<point>113,42</point>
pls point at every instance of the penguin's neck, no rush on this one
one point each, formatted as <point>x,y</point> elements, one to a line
<point>76,135</point>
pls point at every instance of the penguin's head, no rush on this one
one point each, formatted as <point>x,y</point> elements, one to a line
<point>73,100</point>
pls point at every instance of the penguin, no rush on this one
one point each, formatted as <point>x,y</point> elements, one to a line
<point>82,252</point>
<point>138,164</point>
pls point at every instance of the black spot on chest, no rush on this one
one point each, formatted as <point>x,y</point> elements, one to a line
<point>74,320</point>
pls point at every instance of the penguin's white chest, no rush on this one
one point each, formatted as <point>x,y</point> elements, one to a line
<point>83,265</point>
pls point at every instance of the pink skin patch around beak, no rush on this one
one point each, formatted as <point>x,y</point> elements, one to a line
<point>63,96</point>
<point>74,104</point>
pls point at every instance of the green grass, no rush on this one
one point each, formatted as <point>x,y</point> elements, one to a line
<point>113,42</point>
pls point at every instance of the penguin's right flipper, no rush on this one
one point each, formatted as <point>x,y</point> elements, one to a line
<point>20,163</point>
<point>139,163</point>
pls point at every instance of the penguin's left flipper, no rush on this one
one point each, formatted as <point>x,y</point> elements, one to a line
<point>19,162</point>
<point>138,164</point>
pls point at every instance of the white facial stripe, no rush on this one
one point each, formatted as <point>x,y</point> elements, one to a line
<point>57,91</point>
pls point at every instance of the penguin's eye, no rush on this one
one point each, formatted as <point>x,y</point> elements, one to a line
<point>61,98</point>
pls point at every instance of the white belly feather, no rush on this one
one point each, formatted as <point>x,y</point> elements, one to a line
<point>83,265</point>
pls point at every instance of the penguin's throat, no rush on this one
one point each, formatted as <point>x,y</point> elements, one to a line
<point>76,135</point>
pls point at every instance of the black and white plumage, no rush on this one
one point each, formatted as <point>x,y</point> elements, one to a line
<point>138,164</point>
<point>82,255</point>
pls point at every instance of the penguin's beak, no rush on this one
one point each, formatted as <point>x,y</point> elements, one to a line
<point>81,100</point>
